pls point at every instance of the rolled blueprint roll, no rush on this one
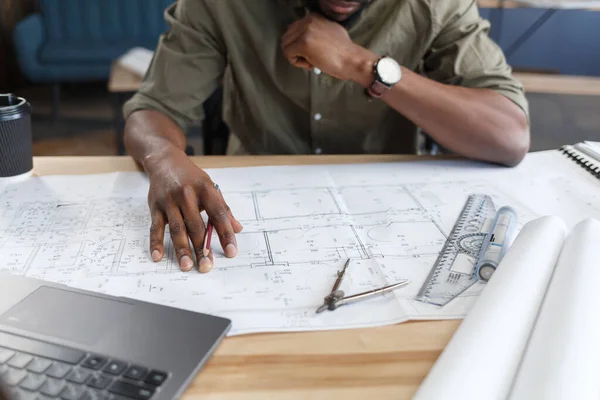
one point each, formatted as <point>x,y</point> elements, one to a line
<point>562,360</point>
<point>481,359</point>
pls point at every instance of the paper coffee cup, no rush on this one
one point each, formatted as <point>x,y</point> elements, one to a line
<point>16,152</point>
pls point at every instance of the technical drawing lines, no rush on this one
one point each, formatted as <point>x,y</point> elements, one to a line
<point>298,203</point>
<point>363,251</point>
<point>300,226</point>
<point>322,201</point>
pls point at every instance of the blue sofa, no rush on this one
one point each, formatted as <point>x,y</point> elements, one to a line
<point>77,40</point>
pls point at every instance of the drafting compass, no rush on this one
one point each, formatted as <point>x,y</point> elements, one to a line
<point>336,298</point>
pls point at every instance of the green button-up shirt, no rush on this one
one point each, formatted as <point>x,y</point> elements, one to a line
<point>273,107</point>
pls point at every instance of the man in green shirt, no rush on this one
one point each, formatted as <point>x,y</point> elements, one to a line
<point>315,77</point>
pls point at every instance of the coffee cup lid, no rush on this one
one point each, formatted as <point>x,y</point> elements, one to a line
<point>12,106</point>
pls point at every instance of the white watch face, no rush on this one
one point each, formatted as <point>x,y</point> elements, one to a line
<point>389,71</point>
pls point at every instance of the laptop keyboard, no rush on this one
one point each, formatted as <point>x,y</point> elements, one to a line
<point>33,370</point>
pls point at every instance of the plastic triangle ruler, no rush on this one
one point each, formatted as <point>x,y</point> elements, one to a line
<point>453,271</point>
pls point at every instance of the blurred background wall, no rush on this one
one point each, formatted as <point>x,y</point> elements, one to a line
<point>11,11</point>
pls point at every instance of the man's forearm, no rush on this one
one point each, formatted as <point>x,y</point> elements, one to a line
<point>476,123</point>
<point>149,133</point>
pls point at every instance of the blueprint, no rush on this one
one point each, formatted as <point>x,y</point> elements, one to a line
<point>300,226</point>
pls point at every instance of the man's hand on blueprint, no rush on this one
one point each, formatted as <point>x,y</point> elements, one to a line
<point>179,192</point>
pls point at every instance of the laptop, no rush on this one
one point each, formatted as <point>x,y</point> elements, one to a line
<point>57,342</point>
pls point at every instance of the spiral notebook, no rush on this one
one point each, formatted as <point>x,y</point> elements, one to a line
<point>586,155</point>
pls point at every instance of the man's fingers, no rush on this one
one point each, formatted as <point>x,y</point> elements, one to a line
<point>235,224</point>
<point>293,32</point>
<point>295,54</point>
<point>292,37</point>
<point>157,235</point>
<point>206,263</point>
<point>302,63</point>
<point>179,237</point>
<point>293,43</point>
<point>193,221</point>
<point>219,217</point>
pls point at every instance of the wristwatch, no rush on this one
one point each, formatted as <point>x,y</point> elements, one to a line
<point>387,74</point>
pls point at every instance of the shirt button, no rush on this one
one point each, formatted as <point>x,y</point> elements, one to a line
<point>318,150</point>
<point>317,71</point>
<point>318,117</point>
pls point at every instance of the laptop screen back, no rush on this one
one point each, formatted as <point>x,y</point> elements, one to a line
<point>66,315</point>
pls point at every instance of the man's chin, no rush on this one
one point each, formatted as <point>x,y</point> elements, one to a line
<point>332,10</point>
<point>336,17</point>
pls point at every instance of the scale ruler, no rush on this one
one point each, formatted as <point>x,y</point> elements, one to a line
<point>453,271</point>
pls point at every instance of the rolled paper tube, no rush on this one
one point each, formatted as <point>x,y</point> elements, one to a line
<point>562,360</point>
<point>481,359</point>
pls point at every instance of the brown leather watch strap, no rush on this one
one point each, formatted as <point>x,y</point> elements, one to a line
<point>377,89</point>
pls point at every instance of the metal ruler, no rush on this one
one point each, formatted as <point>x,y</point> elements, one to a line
<point>453,271</point>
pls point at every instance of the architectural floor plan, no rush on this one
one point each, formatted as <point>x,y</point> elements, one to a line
<point>300,226</point>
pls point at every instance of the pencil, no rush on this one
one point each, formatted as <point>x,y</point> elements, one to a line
<point>208,237</point>
<point>206,248</point>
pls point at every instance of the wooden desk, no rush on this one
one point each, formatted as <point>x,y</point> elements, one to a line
<point>122,80</point>
<point>559,84</point>
<point>379,363</point>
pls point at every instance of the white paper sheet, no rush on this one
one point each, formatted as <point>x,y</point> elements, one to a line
<point>562,360</point>
<point>592,149</point>
<point>483,355</point>
<point>300,226</point>
<point>137,60</point>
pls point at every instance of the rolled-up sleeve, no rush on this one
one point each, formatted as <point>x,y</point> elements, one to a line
<point>462,53</point>
<point>187,66</point>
